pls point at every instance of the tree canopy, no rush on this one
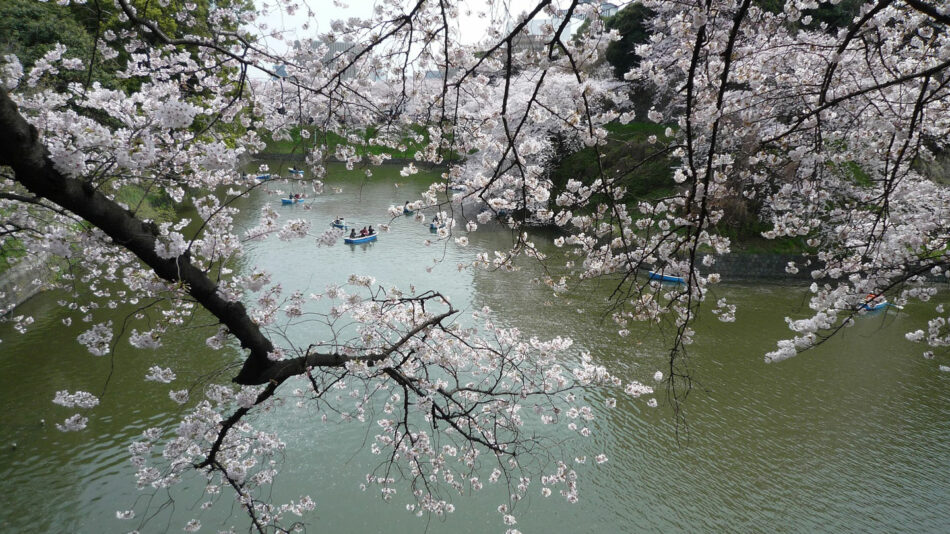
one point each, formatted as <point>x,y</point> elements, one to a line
<point>631,23</point>
<point>822,129</point>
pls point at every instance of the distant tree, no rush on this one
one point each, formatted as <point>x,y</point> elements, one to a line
<point>29,29</point>
<point>833,15</point>
<point>632,22</point>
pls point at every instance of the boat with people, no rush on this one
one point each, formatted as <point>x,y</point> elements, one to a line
<point>875,306</point>
<point>262,177</point>
<point>363,236</point>
<point>406,210</point>
<point>286,201</point>
<point>435,226</point>
<point>666,279</point>
<point>359,239</point>
<point>874,303</point>
<point>339,222</point>
<point>296,171</point>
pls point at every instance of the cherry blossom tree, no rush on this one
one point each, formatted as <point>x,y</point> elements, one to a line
<point>822,130</point>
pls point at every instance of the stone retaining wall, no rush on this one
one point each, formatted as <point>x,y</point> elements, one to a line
<point>16,283</point>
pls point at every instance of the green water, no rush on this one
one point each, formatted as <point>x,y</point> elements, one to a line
<point>852,436</point>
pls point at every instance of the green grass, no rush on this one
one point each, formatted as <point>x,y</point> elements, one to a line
<point>155,205</point>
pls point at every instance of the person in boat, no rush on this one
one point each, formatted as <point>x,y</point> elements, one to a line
<point>352,233</point>
<point>363,232</point>
<point>290,196</point>
<point>371,231</point>
<point>405,207</point>
<point>297,196</point>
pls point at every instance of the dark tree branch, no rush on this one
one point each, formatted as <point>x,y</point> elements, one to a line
<point>23,151</point>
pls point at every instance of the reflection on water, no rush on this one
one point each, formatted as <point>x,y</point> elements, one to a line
<point>853,435</point>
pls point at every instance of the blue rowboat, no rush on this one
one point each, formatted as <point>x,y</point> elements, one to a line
<point>291,200</point>
<point>262,177</point>
<point>339,225</point>
<point>407,212</point>
<point>457,188</point>
<point>875,303</point>
<point>667,279</point>
<point>875,306</point>
<point>435,227</point>
<point>358,240</point>
<point>298,172</point>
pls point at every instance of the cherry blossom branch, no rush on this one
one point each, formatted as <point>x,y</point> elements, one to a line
<point>929,10</point>
<point>22,150</point>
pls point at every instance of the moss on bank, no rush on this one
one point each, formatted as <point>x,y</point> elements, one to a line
<point>10,252</point>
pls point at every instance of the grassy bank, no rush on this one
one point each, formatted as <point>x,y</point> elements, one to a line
<point>364,143</point>
<point>154,205</point>
<point>627,146</point>
<point>646,171</point>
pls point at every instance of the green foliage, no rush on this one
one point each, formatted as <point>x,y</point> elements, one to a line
<point>630,22</point>
<point>29,29</point>
<point>772,6</point>
<point>835,16</point>
<point>627,146</point>
<point>854,172</point>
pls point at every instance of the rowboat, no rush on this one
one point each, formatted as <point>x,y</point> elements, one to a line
<point>873,303</point>
<point>298,172</point>
<point>358,240</point>
<point>291,200</point>
<point>879,306</point>
<point>262,177</point>
<point>435,226</point>
<point>339,225</point>
<point>667,279</point>
<point>407,212</point>
<point>875,306</point>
